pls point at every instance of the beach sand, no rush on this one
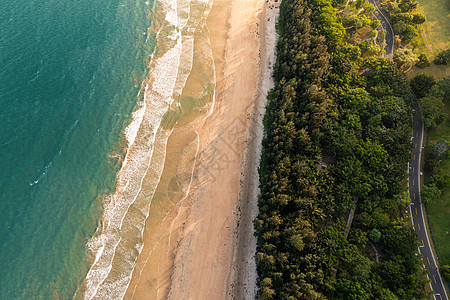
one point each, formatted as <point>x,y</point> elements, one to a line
<point>199,244</point>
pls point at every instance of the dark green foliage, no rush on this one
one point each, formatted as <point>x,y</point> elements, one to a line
<point>443,57</point>
<point>421,84</point>
<point>441,182</point>
<point>358,238</point>
<point>432,111</point>
<point>441,89</point>
<point>405,22</point>
<point>430,193</point>
<point>402,17</point>
<point>445,270</point>
<point>410,33</point>
<point>431,99</point>
<point>337,129</point>
<point>408,5</point>
<point>374,235</point>
<point>399,239</point>
<point>423,61</point>
<point>418,18</point>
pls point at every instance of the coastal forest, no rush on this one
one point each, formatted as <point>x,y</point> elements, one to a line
<point>337,128</point>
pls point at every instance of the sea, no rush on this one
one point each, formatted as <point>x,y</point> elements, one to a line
<point>91,94</point>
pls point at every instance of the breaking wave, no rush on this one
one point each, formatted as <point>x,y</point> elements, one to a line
<point>118,240</point>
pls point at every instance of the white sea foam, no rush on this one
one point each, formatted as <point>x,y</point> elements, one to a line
<point>132,129</point>
<point>187,57</point>
<point>119,240</point>
<point>186,189</point>
<point>163,84</point>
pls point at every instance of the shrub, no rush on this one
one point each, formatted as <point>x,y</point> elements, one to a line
<point>405,58</point>
<point>418,18</point>
<point>410,33</point>
<point>408,5</point>
<point>442,58</point>
<point>423,61</point>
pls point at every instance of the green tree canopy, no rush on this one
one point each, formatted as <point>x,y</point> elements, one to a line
<point>372,154</point>
<point>421,84</point>
<point>374,235</point>
<point>405,58</point>
<point>432,110</point>
<point>430,193</point>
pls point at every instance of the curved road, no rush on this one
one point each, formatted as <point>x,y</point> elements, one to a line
<point>416,208</point>
<point>389,39</point>
<point>414,179</point>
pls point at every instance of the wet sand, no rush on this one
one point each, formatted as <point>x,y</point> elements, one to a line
<point>199,243</point>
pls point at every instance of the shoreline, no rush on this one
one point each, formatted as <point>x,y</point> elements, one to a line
<point>203,246</point>
<point>244,265</point>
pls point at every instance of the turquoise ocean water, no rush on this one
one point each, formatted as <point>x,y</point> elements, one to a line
<point>70,75</point>
<point>90,92</point>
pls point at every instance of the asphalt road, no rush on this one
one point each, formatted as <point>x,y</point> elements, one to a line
<point>389,39</point>
<point>417,212</point>
<point>414,179</point>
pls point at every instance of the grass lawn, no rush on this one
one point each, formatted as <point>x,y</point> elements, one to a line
<point>434,36</point>
<point>436,30</point>
<point>435,71</point>
<point>439,211</point>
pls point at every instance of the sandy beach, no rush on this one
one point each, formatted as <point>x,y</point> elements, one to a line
<point>200,244</point>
